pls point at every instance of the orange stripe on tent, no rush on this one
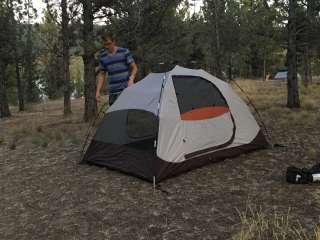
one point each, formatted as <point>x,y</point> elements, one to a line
<point>204,113</point>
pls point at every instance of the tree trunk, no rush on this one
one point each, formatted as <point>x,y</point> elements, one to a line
<point>309,59</point>
<point>4,106</point>
<point>306,51</point>
<point>310,18</point>
<point>31,92</point>
<point>20,92</point>
<point>16,34</point>
<point>19,87</point>
<point>293,87</point>
<point>306,71</point>
<point>218,68</point>
<point>31,95</point>
<point>230,68</point>
<point>90,108</point>
<point>264,66</point>
<point>65,58</point>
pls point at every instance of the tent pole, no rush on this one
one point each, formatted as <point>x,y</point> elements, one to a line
<point>154,184</point>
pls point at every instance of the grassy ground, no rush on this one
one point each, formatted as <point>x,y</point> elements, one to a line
<point>45,194</point>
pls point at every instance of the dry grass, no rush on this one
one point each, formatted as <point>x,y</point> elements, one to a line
<point>43,125</point>
<point>270,99</point>
<point>275,93</point>
<point>257,224</point>
<point>41,135</point>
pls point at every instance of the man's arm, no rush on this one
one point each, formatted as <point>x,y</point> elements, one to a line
<point>133,73</point>
<point>100,78</point>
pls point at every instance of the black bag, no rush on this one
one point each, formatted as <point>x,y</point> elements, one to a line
<point>299,176</point>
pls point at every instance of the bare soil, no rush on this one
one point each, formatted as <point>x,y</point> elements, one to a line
<point>46,194</point>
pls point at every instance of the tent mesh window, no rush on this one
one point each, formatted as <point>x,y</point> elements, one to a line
<point>128,127</point>
<point>142,129</point>
<point>141,124</point>
<point>196,92</point>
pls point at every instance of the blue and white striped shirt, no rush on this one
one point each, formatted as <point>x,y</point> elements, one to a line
<point>117,66</point>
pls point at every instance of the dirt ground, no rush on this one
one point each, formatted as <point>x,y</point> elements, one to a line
<point>46,194</point>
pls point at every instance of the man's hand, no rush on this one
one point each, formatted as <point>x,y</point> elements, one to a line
<point>131,81</point>
<point>133,73</point>
<point>98,97</point>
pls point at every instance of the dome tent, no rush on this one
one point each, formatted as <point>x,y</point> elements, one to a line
<point>169,123</point>
<point>282,75</point>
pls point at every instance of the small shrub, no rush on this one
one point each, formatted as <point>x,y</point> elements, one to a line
<point>39,129</point>
<point>36,140</point>
<point>75,138</point>
<point>40,140</point>
<point>53,134</point>
<point>58,136</point>
<point>25,130</point>
<point>12,146</point>
<point>304,90</point>
<point>313,153</point>
<point>14,142</point>
<point>45,144</point>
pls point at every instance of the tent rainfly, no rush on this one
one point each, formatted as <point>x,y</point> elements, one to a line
<point>173,122</point>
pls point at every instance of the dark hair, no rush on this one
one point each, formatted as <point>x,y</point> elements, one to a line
<point>108,35</point>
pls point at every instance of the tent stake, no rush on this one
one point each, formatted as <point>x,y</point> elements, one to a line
<point>154,184</point>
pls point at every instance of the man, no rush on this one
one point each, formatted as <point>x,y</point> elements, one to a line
<point>120,66</point>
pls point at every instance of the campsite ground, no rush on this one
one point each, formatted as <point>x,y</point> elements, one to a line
<point>45,194</point>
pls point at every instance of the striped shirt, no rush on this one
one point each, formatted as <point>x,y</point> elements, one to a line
<point>117,66</point>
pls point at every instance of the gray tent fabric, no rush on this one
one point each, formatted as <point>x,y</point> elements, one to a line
<point>144,95</point>
<point>173,122</point>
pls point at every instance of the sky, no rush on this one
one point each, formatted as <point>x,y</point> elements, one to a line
<point>198,4</point>
<point>40,5</point>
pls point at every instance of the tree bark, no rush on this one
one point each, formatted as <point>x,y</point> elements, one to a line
<point>20,92</point>
<point>230,68</point>
<point>90,108</point>
<point>293,100</point>
<point>31,92</point>
<point>19,87</point>
<point>264,66</point>
<point>218,68</point>
<point>310,18</point>
<point>306,70</point>
<point>66,58</point>
<point>4,106</point>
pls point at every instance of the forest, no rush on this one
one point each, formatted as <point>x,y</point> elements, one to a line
<point>50,117</point>
<point>57,56</point>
